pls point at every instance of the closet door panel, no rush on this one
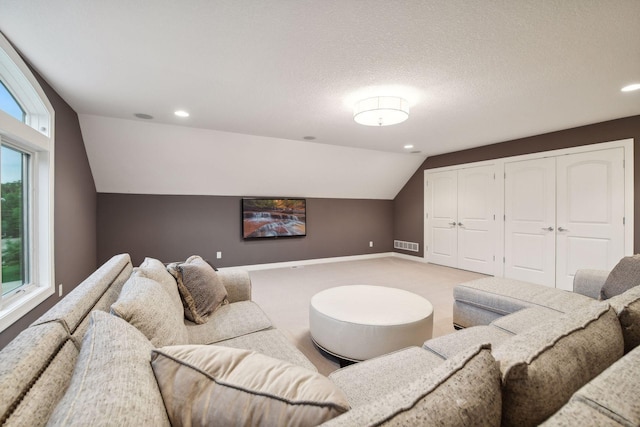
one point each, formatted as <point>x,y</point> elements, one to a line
<point>476,224</point>
<point>443,190</point>
<point>530,221</point>
<point>590,213</point>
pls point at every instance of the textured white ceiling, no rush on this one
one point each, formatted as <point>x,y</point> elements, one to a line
<point>475,72</point>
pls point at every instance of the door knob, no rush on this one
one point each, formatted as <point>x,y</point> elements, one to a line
<point>548,228</point>
<point>460,224</point>
<point>453,224</point>
<point>562,229</point>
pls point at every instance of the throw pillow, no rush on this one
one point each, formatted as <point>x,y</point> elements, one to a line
<point>200,287</point>
<point>214,385</point>
<point>152,268</point>
<point>112,382</point>
<point>625,275</point>
<point>145,304</point>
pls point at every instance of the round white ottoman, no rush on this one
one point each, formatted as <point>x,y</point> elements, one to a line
<point>359,322</point>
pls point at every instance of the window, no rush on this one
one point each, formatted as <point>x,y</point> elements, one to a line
<point>14,187</point>
<point>9,104</point>
<point>26,189</point>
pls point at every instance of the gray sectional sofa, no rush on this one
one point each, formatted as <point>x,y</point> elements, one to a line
<point>566,358</point>
<point>563,358</point>
<point>118,351</point>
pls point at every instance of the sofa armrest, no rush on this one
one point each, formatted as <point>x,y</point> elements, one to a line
<point>589,282</point>
<point>237,282</point>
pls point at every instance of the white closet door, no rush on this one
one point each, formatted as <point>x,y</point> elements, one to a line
<point>443,190</point>
<point>530,213</point>
<point>476,224</point>
<point>590,213</point>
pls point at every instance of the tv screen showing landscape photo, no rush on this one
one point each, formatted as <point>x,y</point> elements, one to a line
<point>270,218</point>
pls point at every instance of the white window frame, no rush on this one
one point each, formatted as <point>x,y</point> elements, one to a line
<point>36,137</point>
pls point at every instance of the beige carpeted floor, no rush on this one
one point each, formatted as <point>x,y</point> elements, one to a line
<point>284,293</point>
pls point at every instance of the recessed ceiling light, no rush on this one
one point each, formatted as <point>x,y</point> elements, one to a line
<point>181,113</point>
<point>143,116</point>
<point>408,146</point>
<point>631,87</point>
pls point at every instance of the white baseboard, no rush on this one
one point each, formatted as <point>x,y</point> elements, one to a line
<point>409,257</point>
<point>294,264</point>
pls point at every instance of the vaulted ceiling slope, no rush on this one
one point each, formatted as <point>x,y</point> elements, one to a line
<point>259,76</point>
<point>144,158</point>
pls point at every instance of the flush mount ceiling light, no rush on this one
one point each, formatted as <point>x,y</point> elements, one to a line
<point>631,87</point>
<point>181,113</point>
<point>381,111</point>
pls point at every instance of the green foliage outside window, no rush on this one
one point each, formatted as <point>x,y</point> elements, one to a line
<point>13,222</point>
<point>11,232</point>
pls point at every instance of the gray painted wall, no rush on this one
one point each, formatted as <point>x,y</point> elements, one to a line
<point>75,210</point>
<point>409,203</point>
<point>171,228</point>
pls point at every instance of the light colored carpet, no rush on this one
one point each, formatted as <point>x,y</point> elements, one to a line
<point>284,293</point>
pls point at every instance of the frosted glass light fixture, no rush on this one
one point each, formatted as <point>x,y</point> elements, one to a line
<point>631,87</point>
<point>381,111</point>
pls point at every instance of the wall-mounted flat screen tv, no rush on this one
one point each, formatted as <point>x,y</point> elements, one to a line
<point>271,218</point>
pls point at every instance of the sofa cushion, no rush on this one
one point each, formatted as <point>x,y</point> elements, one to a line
<point>154,269</point>
<point>627,305</point>
<point>229,321</point>
<point>464,390</point>
<point>467,315</point>
<point>525,319</point>
<point>40,400</point>
<point>272,343</point>
<point>213,385</point>
<point>615,391</point>
<point>368,381</point>
<point>73,310</point>
<point>449,345</point>
<point>21,363</point>
<point>200,287</point>
<point>542,367</point>
<point>504,296</point>
<point>237,282</point>
<point>146,305</point>
<point>113,382</point>
<point>579,414</point>
<point>103,304</point>
<point>624,276</point>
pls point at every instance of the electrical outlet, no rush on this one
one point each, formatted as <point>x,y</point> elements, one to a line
<point>371,244</point>
<point>60,290</point>
<point>219,255</point>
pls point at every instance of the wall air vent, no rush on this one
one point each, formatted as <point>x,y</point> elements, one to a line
<point>407,246</point>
